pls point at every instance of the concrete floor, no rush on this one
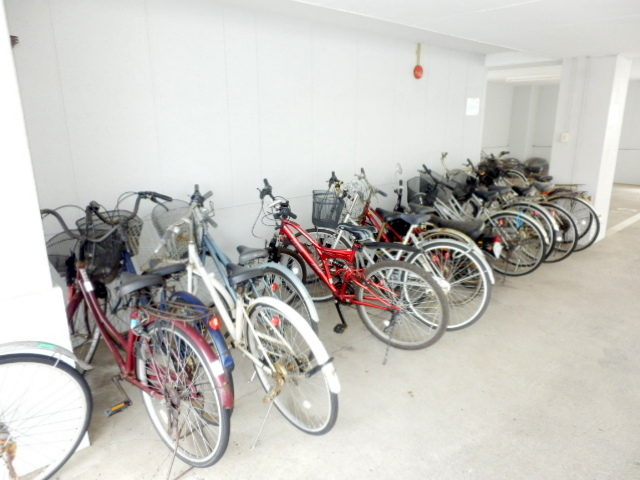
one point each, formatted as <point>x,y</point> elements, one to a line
<point>544,386</point>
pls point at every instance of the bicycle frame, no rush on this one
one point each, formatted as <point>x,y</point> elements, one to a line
<point>123,349</point>
<point>352,274</point>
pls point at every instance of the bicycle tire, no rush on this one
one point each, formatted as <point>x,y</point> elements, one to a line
<point>424,308</point>
<point>285,344</point>
<point>467,275</point>
<point>327,237</point>
<point>45,393</point>
<point>567,235</point>
<point>293,261</point>
<point>275,284</point>
<point>83,330</point>
<point>522,242</point>
<point>586,218</point>
<point>172,363</point>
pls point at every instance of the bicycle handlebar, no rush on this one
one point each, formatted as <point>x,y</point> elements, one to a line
<point>78,236</point>
<point>363,176</point>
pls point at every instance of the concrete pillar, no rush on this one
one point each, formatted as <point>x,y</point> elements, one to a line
<point>588,123</point>
<point>32,308</point>
<point>523,117</point>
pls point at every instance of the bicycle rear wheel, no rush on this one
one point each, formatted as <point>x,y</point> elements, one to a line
<point>45,408</point>
<point>522,241</point>
<point>276,284</point>
<point>295,369</point>
<point>188,416</point>
<point>421,312</point>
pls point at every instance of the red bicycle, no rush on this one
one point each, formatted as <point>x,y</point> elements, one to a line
<point>399,303</point>
<point>185,389</point>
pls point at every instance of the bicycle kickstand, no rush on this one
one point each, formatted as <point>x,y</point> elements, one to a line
<point>122,405</point>
<point>340,327</point>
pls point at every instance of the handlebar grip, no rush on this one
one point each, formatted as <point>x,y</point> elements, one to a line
<point>166,198</point>
<point>207,195</point>
<point>293,215</point>
<point>426,169</point>
<point>381,192</point>
<point>210,221</point>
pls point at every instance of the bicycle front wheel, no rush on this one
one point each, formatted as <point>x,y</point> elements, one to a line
<point>566,238</point>
<point>466,276</point>
<point>407,308</point>
<point>294,368</point>
<point>45,408</point>
<point>83,331</point>
<point>188,413</point>
<point>522,242</point>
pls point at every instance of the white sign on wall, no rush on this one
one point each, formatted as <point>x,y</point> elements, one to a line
<point>473,106</point>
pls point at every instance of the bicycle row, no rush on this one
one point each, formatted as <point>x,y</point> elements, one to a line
<point>410,273</point>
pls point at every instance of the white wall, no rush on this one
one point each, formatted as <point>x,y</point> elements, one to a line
<point>131,95</point>
<point>544,121</point>
<point>32,308</point>
<point>628,164</point>
<point>497,117</point>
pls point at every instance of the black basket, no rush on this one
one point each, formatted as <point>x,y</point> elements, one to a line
<point>421,191</point>
<point>327,209</point>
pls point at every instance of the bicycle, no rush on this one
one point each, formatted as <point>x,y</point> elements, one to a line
<point>46,412</point>
<point>466,277</point>
<point>399,303</point>
<point>184,387</point>
<point>289,359</point>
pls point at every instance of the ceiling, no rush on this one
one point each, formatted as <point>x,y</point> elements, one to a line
<point>544,30</point>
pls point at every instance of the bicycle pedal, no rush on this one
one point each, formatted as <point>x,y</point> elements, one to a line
<point>109,412</point>
<point>340,328</point>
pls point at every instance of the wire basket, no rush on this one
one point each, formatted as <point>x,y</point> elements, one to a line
<point>356,209</point>
<point>421,191</point>
<point>60,248</point>
<point>327,209</point>
<point>163,216</point>
<point>133,227</point>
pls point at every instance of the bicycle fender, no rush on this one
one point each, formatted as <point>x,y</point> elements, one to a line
<point>218,338</point>
<point>40,348</point>
<point>219,375</point>
<point>295,318</point>
<point>313,312</point>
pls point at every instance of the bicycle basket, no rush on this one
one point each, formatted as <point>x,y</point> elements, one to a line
<point>327,209</point>
<point>421,191</point>
<point>163,216</point>
<point>60,248</point>
<point>98,227</point>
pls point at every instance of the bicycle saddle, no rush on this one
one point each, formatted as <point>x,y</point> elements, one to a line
<point>524,191</point>
<point>472,228</point>
<point>249,253</point>
<point>130,283</point>
<point>543,187</point>
<point>238,274</point>
<point>163,269</point>
<point>410,218</point>
<point>500,189</point>
<point>360,232</point>
<point>486,195</point>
